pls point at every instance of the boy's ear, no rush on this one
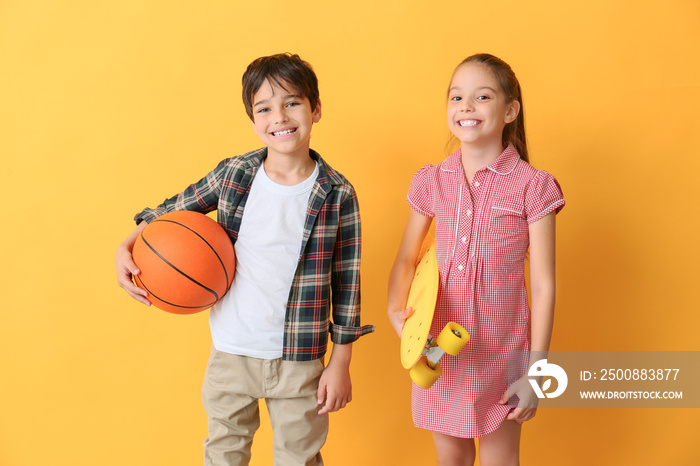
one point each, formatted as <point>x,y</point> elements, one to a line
<point>316,114</point>
<point>512,112</point>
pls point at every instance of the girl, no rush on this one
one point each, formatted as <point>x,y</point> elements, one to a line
<point>489,204</point>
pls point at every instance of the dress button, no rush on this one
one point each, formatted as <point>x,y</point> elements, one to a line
<point>477,184</point>
<point>464,239</point>
<point>460,267</point>
<point>469,212</point>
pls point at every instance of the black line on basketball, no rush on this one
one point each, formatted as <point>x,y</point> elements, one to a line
<point>150,293</point>
<point>216,295</point>
<point>200,237</point>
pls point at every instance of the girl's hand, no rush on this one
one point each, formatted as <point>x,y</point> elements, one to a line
<point>398,319</point>
<point>527,404</point>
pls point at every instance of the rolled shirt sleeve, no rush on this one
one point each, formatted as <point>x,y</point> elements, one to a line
<point>345,276</point>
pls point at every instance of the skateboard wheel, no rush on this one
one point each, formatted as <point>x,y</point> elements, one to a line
<point>452,338</point>
<point>423,375</point>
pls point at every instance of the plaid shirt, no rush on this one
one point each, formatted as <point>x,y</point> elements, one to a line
<point>329,266</point>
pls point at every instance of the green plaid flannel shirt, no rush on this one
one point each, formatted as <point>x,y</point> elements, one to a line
<point>328,274</point>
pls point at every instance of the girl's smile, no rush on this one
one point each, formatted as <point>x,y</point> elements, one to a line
<point>469,122</point>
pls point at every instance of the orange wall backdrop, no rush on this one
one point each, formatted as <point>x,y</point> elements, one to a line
<point>107,107</point>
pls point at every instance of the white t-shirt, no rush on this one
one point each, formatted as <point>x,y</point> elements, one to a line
<point>249,319</point>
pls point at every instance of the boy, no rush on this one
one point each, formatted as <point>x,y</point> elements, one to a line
<point>295,226</point>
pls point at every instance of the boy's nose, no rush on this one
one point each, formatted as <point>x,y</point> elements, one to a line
<point>280,116</point>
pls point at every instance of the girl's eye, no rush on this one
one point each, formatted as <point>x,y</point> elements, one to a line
<point>456,98</point>
<point>482,97</point>
<point>263,110</point>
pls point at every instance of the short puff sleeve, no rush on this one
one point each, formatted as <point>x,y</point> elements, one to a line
<point>543,196</point>
<point>420,194</point>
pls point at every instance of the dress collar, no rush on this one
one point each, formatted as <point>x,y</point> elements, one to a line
<point>506,162</point>
<point>503,165</point>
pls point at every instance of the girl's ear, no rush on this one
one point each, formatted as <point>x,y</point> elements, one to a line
<point>512,111</point>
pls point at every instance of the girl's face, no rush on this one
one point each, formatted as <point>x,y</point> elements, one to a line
<point>477,110</point>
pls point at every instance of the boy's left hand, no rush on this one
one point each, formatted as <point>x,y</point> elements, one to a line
<point>334,388</point>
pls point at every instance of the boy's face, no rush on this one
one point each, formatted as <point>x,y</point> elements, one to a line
<point>282,119</point>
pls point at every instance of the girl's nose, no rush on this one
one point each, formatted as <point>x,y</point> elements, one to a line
<point>466,106</point>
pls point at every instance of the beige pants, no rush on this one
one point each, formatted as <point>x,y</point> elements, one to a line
<point>232,387</point>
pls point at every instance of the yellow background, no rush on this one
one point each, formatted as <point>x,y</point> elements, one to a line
<point>107,107</point>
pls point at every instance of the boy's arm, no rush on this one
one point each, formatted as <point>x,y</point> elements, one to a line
<point>345,277</point>
<point>335,387</point>
<point>202,197</point>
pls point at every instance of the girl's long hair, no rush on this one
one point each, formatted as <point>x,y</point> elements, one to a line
<point>514,132</point>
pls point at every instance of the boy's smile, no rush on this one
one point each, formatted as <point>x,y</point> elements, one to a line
<point>285,132</point>
<point>282,119</point>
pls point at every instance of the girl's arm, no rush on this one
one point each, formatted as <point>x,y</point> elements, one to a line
<point>542,293</point>
<point>401,275</point>
<point>542,282</point>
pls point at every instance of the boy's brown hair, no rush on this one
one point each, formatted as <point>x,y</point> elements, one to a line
<point>284,70</point>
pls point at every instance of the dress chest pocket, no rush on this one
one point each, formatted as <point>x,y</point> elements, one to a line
<point>507,214</point>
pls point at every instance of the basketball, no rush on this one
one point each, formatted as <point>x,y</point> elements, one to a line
<point>186,261</point>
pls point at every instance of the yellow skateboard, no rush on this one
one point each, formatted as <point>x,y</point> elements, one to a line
<point>419,353</point>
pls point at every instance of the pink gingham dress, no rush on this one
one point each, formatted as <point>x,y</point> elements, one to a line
<point>481,235</point>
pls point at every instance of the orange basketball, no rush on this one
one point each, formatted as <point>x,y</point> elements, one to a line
<point>186,261</point>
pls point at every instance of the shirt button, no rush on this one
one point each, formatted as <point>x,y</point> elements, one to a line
<point>460,267</point>
<point>477,184</point>
<point>464,239</point>
<point>469,212</point>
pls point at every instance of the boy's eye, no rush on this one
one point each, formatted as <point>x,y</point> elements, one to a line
<point>292,104</point>
<point>263,110</point>
<point>455,98</point>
